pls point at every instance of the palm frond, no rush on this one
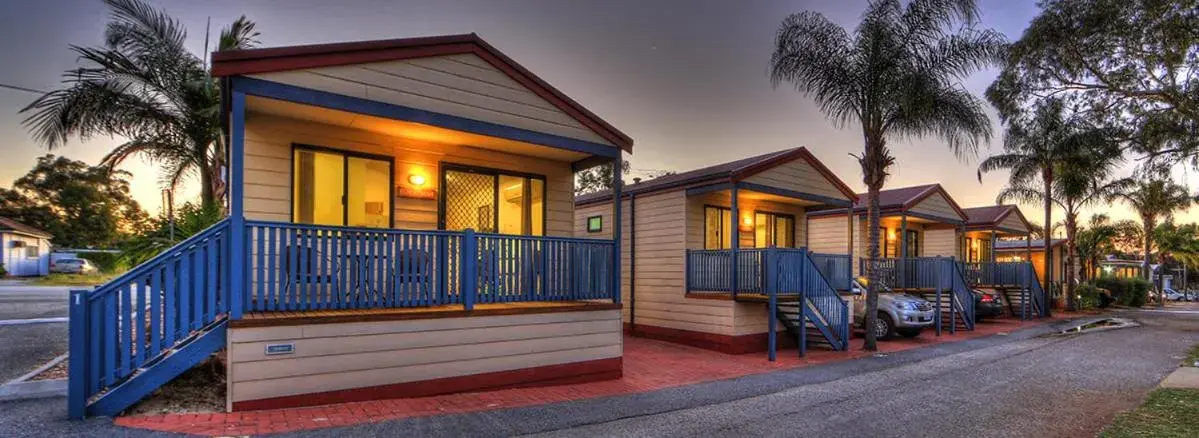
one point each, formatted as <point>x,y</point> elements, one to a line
<point>239,35</point>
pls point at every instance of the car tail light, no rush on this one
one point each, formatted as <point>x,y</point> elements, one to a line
<point>987,298</point>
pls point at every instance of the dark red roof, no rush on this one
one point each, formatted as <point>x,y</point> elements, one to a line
<point>732,170</point>
<point>896,200</point>
<point>7,224</point>
<point>250,61</point>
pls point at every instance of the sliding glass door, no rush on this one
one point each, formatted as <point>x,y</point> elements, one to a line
<point>331,187</point>
<point>492,201</point>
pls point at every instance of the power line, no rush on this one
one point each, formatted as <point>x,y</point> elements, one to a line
<point>27,90</point>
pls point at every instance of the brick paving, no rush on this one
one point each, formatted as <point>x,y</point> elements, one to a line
<point>648,365</point>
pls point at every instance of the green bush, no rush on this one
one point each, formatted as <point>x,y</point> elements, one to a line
<point>3,272</point>
<point>1131,292</point>
<point>1089,297</point>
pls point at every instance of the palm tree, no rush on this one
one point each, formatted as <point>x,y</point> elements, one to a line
<point>1093,241</point>
<point>144,86</point>
<point>898,77</point>
<point>1033,150</point>
<point>1153,200</point>
<point>1081,182</point>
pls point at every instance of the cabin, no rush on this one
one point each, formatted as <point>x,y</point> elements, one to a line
<point>723,258</point>
<point>26,250</point>
<point>987,228</point>
<point>1033,251</point>
<point>918,245</point>
<point>401,224</point>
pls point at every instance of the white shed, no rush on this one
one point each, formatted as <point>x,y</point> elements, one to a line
<point>24,250</point>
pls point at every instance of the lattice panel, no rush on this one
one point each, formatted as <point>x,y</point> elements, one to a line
<point>469,201</point>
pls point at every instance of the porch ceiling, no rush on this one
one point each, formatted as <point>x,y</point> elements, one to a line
<point>759,196</point>
<point>404,129</point>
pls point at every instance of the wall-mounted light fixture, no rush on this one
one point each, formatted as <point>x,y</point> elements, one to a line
<point>890,234</point>
<point>417,179</point>
<point>747,222</point>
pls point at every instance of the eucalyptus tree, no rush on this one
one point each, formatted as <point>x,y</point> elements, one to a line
<point>1154,200</point>
<point>144,86</point>
<point>896,76</point>
<point>1082,181</point>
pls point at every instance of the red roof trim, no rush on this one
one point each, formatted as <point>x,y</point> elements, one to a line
<point>242,62</point>
<point>800,152</point>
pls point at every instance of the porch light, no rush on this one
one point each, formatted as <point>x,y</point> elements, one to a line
<point>890,234</point>
<point>747,222</point>
<point>417,179</point>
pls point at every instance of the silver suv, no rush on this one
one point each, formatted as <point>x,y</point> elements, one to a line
<point>898,313</point>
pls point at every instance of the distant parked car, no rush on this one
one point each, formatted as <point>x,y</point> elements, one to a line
<point>1174,295</point>
<point>986,304</point>
<point>902,314</point>
<point>72,266</point>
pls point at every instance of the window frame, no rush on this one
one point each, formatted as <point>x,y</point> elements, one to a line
<point>916,241</point>
<point>345,181</point>
<point>720,227</point>
<point>36,249</point>
<point>443,167</point>
<point>775,215</point>
<point>598,229</point>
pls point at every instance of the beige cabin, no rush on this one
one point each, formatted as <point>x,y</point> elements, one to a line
<point>741,207</point>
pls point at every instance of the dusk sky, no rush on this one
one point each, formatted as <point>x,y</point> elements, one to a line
<point>686,79</point>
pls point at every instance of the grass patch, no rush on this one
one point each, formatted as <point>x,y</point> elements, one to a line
<point>59,279</point>
<point>1167,412</point>
<point>1192,357</point>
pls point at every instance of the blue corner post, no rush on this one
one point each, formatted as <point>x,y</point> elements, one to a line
<point>470,269</point>
<point>237,207</point>
<point>77,361</point>
<point>734,245</point>
<point>940,287</point>
<point>804,271</point>
<point>771,271</point>
<point>616,216</point>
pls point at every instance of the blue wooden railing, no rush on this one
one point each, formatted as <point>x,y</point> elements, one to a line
<point>836,268</point>
<point>709,271</point>
<point>994,274</point>
<point>137,318</point>
<point>941,275</point>
<point>792,274</point>
<point>297,267</point>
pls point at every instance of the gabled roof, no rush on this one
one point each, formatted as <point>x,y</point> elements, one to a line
<point>732,171</point>
<point>10,225</point>
<point>992,215</point>
<point>274,59</point>
<point>899,200</point>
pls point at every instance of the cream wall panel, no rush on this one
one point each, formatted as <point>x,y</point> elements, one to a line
<point>936,205</point>
<point>800,176</point>
<point>828,234</point>
<point>353,355</point>
<point>940,242</point>
<point>460,85</point>
<point>1013,222</point>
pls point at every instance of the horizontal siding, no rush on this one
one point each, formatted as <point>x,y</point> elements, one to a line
<point>936,205</point>
<point>331,357</point>
<point>941,242</point>
<point>695,217</point>
<point>800,176</point>
<point>458,85</point>
<point>269,142</point>
<point>1013,222</point>
<point>829,235</point>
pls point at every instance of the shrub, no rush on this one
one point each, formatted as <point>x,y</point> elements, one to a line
<point>3,272</point>
<point>1138,292</point>
<point>1090,297</point>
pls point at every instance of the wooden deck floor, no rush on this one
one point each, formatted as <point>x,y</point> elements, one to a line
<point>281,318</point>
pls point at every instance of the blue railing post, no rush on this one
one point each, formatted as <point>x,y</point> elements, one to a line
<point>470,268</point>
<point>940,288</point>
<point>771,274</point>
<point>237,216</point>
<point>78,359</point>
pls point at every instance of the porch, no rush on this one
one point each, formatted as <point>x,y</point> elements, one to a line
<point>423,185</point>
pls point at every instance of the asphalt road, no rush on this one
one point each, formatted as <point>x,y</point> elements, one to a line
<point>1028,383</point>
<point>25,346</point>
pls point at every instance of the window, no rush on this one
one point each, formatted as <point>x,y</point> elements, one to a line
<point>774,230</point>
<point>32,252</point>
<point>913,249</point>
<point>886,247</point>
<point>717,228</point>
<point>340,188</point>
<point>595,224</point>
<point>492,201</point>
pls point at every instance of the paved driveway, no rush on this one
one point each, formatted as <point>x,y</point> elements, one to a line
<point>24,346</point>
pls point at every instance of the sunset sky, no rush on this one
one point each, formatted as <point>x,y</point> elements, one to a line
<point>686,79</point>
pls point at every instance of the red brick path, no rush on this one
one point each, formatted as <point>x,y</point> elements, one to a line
<point>648,365</point>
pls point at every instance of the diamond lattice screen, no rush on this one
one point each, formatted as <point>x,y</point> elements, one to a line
<point>469,201</point>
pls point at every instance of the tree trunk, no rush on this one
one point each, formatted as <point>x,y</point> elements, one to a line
<point>207,191</point>
<point>1071,250</point>
<point>1147,227</point>
<point>1047,238</point>
<point>872,287</point>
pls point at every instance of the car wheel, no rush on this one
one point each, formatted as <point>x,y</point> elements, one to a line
<point>883,327</point>
<point>908,333</point>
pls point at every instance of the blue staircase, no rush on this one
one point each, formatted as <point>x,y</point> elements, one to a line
<point>135,333</point>
<point>804,302</point>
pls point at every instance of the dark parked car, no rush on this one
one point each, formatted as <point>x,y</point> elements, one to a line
<point>987,304</point>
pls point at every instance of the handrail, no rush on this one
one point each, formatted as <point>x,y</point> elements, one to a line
<point>828,303</point>
<point>142,267</point>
